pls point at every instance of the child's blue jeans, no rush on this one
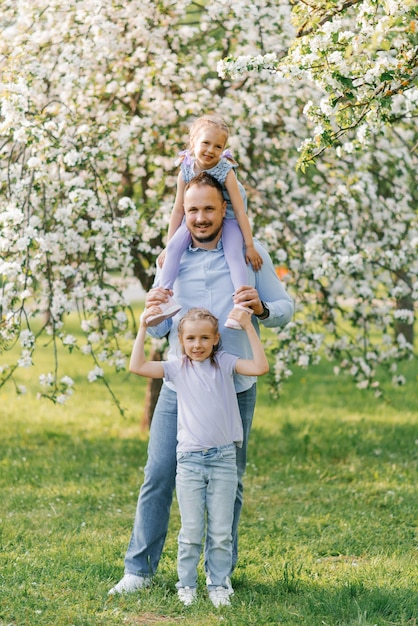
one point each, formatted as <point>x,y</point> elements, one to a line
<point>206,483</point>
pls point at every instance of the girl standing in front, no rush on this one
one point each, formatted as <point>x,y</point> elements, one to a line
<point>206,152</point>
<point>208,430</point>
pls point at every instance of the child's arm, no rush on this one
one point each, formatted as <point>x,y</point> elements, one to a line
<point>251,254</point>
<point>138,363</point>
<point>258,365</point>
<point>177,213</point>
<point>176,216</point>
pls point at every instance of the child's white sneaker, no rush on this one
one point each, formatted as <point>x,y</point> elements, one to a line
<point>219,597</point>
<point>227,583</point>
<point>231,323</point>
<point>130,583</point>
<point>168,309</point>
<point>186,595</point>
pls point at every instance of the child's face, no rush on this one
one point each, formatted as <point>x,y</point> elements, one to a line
<point>208,147</point>
<point>198,338</point>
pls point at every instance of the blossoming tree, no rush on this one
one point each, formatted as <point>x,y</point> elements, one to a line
<point>357,219</point>
<point>96,100</point>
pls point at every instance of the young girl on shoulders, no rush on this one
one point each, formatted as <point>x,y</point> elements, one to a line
<point>208,431</point>
<point>206,152</point>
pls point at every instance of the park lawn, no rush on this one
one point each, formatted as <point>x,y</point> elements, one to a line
<point>328,534</point>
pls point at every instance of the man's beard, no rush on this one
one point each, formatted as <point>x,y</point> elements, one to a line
<point>208,238</point>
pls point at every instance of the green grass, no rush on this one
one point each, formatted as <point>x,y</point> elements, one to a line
<point>328,535</point>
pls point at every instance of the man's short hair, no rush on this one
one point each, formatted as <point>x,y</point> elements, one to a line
<point>203,178</point>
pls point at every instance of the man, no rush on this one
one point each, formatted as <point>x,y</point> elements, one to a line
<point>203,280</point>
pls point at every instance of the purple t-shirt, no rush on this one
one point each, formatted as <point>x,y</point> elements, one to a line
<point>208,412</point>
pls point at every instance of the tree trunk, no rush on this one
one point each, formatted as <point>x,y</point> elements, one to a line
<point>406,302</point>
<point>402,328</point>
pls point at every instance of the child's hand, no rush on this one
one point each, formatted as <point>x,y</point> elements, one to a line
<point>252,256</point>
<point>242,316</point>
<point>161,258</point>
<point>147,313</point>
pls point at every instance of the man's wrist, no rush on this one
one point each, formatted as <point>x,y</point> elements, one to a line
<point>265,312</point>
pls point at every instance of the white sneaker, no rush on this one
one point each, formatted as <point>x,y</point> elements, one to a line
<point>186,595</point>
<point>227,583</point>
<point>168,309</point>
<point>219,597</point>
<point>130,583</point>
<point>231,323</point>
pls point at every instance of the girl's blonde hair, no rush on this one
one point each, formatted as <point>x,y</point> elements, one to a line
<point>207,120</point>
<point>194,315</point>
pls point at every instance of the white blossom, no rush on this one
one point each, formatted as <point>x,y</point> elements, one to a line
<point>94,374</point>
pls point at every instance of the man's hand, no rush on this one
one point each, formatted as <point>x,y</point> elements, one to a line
<point>156,296</point>
<point>248,296</point>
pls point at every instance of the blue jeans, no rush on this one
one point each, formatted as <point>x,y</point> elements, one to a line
<point>156,494</point>
<point>206,482</point>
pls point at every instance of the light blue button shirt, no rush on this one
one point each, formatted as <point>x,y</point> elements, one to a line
<point>204,280</point>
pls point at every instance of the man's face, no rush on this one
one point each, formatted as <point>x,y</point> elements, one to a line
<point>204,208</point>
